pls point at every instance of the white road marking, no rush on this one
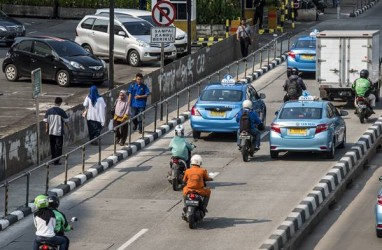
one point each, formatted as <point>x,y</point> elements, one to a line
<point>264,134</point>
<point>134,238</point>
<point>213,174</point>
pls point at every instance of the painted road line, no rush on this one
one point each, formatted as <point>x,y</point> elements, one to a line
<point>134,238</point>
<point>213,174</point>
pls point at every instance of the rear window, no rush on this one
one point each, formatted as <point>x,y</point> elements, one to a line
<point>305,44</point>
<point>138,28</point>
<point>224,95</point>
<point>301,113</point>
<point>88,23</point>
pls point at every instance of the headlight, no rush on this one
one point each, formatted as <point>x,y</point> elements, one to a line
<point>142,43</point>
<point>180,37</point>
<point>23,27</point>
<point>104,64</point>
<point>2,28</point>
<point>77,65</point>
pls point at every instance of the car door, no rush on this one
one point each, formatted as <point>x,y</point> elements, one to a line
<point>22,57</point>
<point>100,37</point>
<point>42,57</point>
<point>120,42</point>
<point>339,123</point>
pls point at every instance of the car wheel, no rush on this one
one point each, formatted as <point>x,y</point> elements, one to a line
<point>331,153</point>
<point>196,134</point>
<point>11,73</point>
<point>343,143</point>
<point>133,58</point>
<point>379,233</point>
<point>88,48</point>
<point>63,78</point>
<point>274,154</point>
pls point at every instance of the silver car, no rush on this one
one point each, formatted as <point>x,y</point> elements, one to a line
<point>131,40</point>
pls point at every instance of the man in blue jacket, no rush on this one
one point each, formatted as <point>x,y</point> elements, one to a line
<point>138,93</point>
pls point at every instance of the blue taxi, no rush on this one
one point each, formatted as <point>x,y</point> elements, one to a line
<point>217,106</point>
<point>307,125</point>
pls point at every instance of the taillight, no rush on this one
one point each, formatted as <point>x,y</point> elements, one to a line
<point>379,199</point>
<point>292,54</point>
<point>175,160</point>
<point>360,99</point>
<point>195,111</point>
<point>44,247</point>
<point>321,127</point>
<point>276,128</point>
<point>192,196</point>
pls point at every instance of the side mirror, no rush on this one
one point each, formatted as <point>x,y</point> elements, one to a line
<point>121,33</point>
<point>344,113</point>
<point>262,96</point>
<point>50,57</point>
<point>277,112</point>
<point>380,178</point>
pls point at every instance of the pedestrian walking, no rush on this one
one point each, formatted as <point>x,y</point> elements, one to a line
<point>94,113</point>
<point>244,36</point>
<point>138,93</point>
<point>121,114</point>
<point>259,12</point>
<point>55,120</point>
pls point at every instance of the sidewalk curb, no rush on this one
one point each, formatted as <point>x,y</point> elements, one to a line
<point>95,170</point>
<point>363,9</point>
<point>310,206</point>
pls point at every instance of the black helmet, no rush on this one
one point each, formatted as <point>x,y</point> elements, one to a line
<point>294,71</point>
<point>364,73</point>
<point>54,202</point>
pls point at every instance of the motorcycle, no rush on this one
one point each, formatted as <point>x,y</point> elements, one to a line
<point>246,145</point>
<point>175,176</point>
<point>44,245</point>
<point>362,108</point>
<point>194,211</point>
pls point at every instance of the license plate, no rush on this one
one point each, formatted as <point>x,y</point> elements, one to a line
<point>192,203</point>
<point>245,137</point>
<point>217,113</point>
<point>362,106</point>
<point>297,131</point>
<point>97,74</point>
<point>307,57</point>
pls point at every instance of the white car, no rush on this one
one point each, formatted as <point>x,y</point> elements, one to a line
<point>181,36</point>
<point>132,39</point>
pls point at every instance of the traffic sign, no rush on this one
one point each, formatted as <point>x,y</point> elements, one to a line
<point>163,34</point>
<point>36,82</point>
<point>163,13</point>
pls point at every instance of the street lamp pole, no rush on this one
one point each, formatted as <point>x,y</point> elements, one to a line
<point>111,45</point>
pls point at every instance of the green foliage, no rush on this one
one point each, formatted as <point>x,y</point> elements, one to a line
<point>216,11</point>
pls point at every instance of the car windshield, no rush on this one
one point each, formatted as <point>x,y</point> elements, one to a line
<point>224,95</point>
<point>301,113</point>
<point>138,28</point>
<point>68,48</point>
<point>305,44</point>
<point>2,14</point>
<point>148,19</point>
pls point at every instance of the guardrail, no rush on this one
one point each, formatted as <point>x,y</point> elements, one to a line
<point>176,102</point>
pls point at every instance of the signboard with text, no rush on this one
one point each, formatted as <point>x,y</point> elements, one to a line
<point>163,34</point>
<point>36,82</point>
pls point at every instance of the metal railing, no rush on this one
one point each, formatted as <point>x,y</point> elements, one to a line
<point>179,102</point>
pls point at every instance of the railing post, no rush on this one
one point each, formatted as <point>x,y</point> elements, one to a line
<point>99,151</point>
<point>66,168</point>
<point>237,70</point>
<point>155,116</point>
<point>47,178</point>
<point>28,174</point>
<point>253,63</point>
<point>130,122</point>
<point>115,140</point>
<point>166,111</point>
<point>83,159</point>
<point>177,105</point>
<point>143,117</point>
<point>6,198</point>
<point>275,54</point>
<point>189,98</point>
<point>268,54</point>
<point>261,59</point>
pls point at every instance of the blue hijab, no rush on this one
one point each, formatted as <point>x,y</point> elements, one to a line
<point>93,94</point>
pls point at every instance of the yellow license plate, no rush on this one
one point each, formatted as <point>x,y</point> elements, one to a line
<point>307,57</point>
<point>297,131</point>
<point>218,113</point>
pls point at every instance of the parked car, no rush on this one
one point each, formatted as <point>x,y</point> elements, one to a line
<point>308,125</point>
<point>218,104</point>
<point>378,213</point>
<point>302,54</point>
<point>181,36</point>
<point>60,59</point>
<point>132,40</point>
<point>10,28</point>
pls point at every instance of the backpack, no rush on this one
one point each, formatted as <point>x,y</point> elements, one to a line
<point>245,123</point>
<point>294,89</point>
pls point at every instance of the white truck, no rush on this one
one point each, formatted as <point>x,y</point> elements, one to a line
<point>340,56</point>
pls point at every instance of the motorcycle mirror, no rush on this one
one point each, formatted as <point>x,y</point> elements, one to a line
<point>380,178</point>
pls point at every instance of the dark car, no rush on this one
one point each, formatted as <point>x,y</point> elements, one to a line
<point>10,28</point>
<point>60,59</point>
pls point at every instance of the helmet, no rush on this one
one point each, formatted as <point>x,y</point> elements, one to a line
<point>196,160</point>
<point>54,202</point>
<point>364,73</point>
<point>41,201</point>
<point>179,130</point>
<point>294,71</point>
<point>247,104</point>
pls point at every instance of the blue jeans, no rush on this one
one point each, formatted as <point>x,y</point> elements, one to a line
<point>137,122</point>
<point>255,137</point>
<point>56,240</point>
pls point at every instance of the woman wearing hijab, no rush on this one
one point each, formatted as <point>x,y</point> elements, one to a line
<point>95,115</point>
<point>122,112</point>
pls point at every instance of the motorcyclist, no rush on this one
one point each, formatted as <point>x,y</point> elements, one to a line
<point>180,147</point>
<point>362,87</point>
<point>195,178</point>
<point>62,224</point>
<point>45,221</point>
<point>255,124</point>
<point>294,85</point>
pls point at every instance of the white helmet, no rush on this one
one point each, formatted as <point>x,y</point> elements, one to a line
<point>196,160</point>
<point>247,104</point>
<point>179,130</point>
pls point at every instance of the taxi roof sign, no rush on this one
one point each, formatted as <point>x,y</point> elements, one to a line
<point>228,80</point>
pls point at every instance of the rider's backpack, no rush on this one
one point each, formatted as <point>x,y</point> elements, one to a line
<point>245,123</point>
<point>294,89</point>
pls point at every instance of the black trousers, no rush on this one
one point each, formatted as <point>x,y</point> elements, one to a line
<point>56,143</point>
<point>258,17</point>
<point>94,129</point>
<point>121,132</point>
<point>244,47</point>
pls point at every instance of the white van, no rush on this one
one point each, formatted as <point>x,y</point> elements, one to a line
<point>180,35</point>
<point>132,40</point>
